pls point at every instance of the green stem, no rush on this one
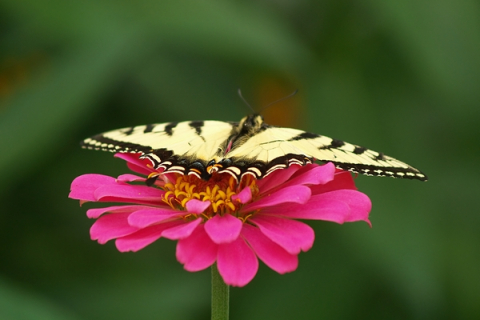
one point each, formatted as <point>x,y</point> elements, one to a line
<point>220,296</point>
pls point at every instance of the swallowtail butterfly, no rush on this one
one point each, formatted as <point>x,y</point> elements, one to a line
<point>248,147</point>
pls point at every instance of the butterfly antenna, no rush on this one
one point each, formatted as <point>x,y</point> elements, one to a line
<point>281,99</point>
<point>244,100</point>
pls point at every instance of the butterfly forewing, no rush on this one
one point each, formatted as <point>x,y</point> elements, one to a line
<point>276,143</point>
<point>197,139</point>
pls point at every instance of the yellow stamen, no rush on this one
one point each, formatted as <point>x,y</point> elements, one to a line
<point>219,191</point>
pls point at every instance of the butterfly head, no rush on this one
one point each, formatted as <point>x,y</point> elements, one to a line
<point>251,123</point>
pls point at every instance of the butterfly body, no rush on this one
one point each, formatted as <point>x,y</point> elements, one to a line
<point>248,147</point>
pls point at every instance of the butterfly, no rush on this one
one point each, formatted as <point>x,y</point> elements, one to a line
<point>248,147</point>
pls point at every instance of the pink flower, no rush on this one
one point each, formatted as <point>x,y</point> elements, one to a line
<point>220,220</point>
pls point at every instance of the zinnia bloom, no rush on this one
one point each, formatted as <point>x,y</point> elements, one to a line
<point>220,220</point>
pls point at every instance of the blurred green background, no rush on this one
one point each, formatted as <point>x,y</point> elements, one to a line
<point>402,77</point>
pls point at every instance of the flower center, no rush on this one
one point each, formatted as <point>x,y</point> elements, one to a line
<point>220,190</point>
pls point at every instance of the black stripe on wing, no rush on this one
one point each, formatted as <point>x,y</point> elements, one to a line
<point>169,128</point>
<point>99,142</point>
<point>197,126</point>
<point>371,170</point>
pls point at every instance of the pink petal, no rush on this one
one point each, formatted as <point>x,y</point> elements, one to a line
<point>296,194</point>
<point>146,217</point>
<point>197,206</point>
<point>316,209</point>
<point>111,226</point>
<point>337,206</point>
<point>243,196</point>
<point>269,252</point>
<point>198,251</point>
<point>313,174</point>
<point>223,229</point>
<point>84,186</point>
<point>276,178</point>
<point>181,231</point>
<point>135,164</point>
<point>341,180</point>
<point>293,236</point>
<point>143,237</point>
<point>237,263</point>
<point>97,212</point>
<point>121,192</point>
<point>359,203</point>
<point>129,178</point>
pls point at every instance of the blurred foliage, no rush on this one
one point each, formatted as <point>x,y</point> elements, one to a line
<point>401,77</point>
